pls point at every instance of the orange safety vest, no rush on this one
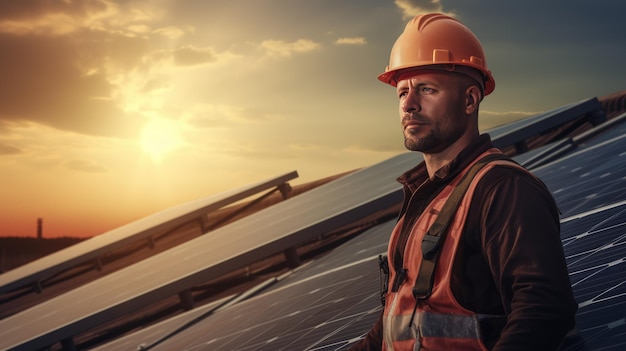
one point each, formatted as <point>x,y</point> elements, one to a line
<point>436,321</point>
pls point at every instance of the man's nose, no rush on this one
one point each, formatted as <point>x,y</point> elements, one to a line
<point>411,103</point>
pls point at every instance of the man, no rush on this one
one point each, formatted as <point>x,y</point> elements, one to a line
<point>496,278</point>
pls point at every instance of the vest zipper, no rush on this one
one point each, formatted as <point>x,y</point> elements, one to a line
<point>399,279</point>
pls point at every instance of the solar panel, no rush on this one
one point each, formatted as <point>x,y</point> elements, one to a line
<point>325,312</point>
<point>153,333</point>
<point>588,178</point>
<point>156,223</point>
<point>596,258</point>
<point>548,153</point>
<point>516,132</point>
<point>588,185</point>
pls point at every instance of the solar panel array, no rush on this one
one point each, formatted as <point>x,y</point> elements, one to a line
<point>142,228</point>
<point>332,302</point>
<point>325,305</point>
<point>233,246</point>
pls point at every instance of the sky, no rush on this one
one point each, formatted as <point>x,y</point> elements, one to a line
<point>111,110</point>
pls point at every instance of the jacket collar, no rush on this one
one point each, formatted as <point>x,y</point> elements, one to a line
<point>413,178</point>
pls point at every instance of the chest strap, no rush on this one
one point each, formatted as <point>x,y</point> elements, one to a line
<point>435,236</point>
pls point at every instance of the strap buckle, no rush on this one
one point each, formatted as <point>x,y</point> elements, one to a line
<point>430,246</point>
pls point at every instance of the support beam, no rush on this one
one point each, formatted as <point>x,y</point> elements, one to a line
<point>285,190</point>
<point>597,117</point>
<point>292,257</point>
<point>521,147</point>
<point>151,242</point>
<point>203,223</point>
<point>98,264</point>
<point>38,287</point>
<point>68,344</point>
<point>186,300</point>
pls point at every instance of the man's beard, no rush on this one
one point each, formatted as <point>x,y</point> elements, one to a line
<point>435,141</point>
<point>424,144</point>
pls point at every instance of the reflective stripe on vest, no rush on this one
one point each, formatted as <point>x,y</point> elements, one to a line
<point>440,322</point>
<point>435,325</point>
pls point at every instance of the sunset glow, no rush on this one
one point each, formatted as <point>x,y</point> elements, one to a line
<point>112,110</point>
<point>160,138</point>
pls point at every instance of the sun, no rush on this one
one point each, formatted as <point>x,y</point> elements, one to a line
<point>161,137</point>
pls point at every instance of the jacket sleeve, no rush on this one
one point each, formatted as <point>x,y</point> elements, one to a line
<point>373,340</point>
<point>520,234</point>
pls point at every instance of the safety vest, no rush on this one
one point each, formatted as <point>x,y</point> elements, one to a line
<point>434,320</point>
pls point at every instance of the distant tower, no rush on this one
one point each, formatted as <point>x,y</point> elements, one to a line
<point>39,228</point>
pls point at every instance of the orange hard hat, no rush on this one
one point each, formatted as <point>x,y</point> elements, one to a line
<point>438,40</point>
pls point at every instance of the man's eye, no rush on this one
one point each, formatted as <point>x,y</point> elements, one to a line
<point>402,94</point>
<point>427,90</point>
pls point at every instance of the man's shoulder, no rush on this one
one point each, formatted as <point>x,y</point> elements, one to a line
<point>506,173</point>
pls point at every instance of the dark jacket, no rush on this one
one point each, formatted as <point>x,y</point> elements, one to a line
<point>510,260</point>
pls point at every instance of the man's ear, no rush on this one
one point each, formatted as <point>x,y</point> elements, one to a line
<point>472,99</point>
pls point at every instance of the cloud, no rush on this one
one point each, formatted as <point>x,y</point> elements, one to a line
<point>170,32</point>
<point>351,41</point>
<point>66,64</point>
<point>411,8</point>
<point>221,116</point>
<point>85,166</point>
<point>281,48</point>
<point>191,56</point>
<point>6,149</point>
<point>43,82</point>
<point>59,17</point>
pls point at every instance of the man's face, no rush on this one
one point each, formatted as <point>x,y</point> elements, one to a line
<point>432,110</point>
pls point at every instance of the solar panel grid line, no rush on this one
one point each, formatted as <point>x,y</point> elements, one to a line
<point>330,317</point>
<point>151,334</point>
<point>614,123</point>
<point>303,339</point>
<point>217,307</point>
<point>345,322</point>
<point>550,153</point>
<point>602,245</point>
<point>607,209</point>
<point>593,244</point>
<point>370,299</point>
<point>272,339</point>
<point>591,182</point>
<point>598,147</point>
<point>607,147</point>
<point>605,295</point>
<point>318,275</point>
<point>142,228</point>
<point>333,330</point>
